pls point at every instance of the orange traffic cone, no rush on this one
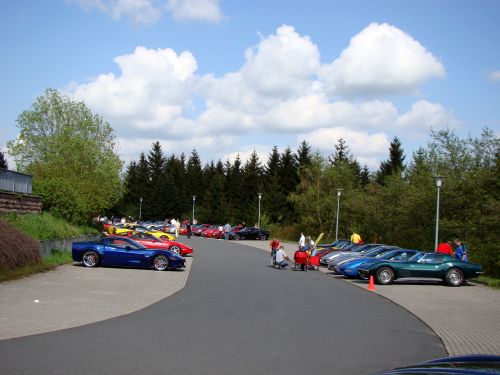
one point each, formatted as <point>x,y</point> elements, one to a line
<point>371,284</point>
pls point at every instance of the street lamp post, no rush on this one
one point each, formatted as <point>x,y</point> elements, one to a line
<point>194,199</point>
<point>339,193</point>
<point>439,181</point>
<point>258,222</point>
<point>140,208</point>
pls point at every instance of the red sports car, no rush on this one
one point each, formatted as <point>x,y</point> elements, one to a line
<point>152,242</point>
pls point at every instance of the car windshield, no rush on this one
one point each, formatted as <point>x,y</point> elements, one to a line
<point>146,236</point>
<point>416,257</point>
<point>376,251</point>
<point>123,243</point>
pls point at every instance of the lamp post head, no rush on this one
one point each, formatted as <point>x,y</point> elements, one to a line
<point>140,199</point>
<point>194,198</point>
<point>260,195</point>
<point>339,192</point>
<point>438,180</point>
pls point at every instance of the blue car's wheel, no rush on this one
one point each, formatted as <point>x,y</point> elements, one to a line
<point>454,277</point>
<point>90,259</point>
<point>160,262</point>
<point>384,275</point>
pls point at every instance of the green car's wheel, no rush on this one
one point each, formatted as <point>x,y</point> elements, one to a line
<point>384,275</point>
<point>90,259</point>
<point>160,262</point>
<point>454,277</point>
<point>175,249</point>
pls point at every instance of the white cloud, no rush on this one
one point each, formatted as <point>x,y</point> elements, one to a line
<point>151,91</point>
<point>381,59</point>
<point>151,11</point>
<point>281,65</point>
<point>366,147</point>
<point>423,116</point>
<point>157,95</point>
<point>495,76</point>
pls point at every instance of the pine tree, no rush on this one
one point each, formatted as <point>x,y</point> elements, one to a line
<point>156,164</point>
<point>194,175</point>
<point>304,155</point>
<point>364,176</point>
<point>252,185</point>
<point>342,153</point>
<point>395,164</point>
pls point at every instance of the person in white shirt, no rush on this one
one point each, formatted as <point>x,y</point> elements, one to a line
<point>281,258</point>
<point>177,226</point>
<point>302,241</point>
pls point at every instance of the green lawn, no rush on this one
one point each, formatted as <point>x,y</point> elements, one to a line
<point>490,281</point>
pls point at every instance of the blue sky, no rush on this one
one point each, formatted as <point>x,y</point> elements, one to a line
<point>229,77</point>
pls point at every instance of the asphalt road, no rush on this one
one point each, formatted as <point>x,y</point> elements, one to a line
<point>237,315</point>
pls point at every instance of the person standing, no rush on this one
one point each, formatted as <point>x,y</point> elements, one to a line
<point>445,248</point>
<point>188,229</point>
<point>227,229</point>
<point>302,241</point>
<point>461,251</point>
<point>177,226</point>
<point>274,244</point>
<point>355,238</point>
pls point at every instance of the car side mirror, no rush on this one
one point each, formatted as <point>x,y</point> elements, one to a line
<point>128,247</point>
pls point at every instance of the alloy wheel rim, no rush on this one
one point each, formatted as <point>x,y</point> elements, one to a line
<point>161,262</point>
<point>385,276</point>
<point>455,278</point>
<point>90,259</point>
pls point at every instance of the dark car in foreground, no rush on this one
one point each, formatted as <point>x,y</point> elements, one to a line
<point>124,252</point>
<point>479,364</point>
<point>422,265</point>
<point>249,233</point>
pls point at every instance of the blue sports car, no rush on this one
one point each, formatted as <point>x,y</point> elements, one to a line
<point>124,252</point>
<point>350,268</point>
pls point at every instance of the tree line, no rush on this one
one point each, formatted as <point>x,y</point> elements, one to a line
<point>71,154</point>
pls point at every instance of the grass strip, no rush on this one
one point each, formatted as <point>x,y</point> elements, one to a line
<point>45,226</point>
<point>492,282</point>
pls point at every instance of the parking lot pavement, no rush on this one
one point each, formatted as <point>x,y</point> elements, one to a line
<point>73,295</point>
<point>467,319</point>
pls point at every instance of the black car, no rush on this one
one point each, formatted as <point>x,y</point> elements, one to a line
<point>249,233</point>
<point>467,364</point>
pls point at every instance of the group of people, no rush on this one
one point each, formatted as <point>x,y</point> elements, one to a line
<point>175,223</point>
<point>460,250</point>
<point>280,259</point>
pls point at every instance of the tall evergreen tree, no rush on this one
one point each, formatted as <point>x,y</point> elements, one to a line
<point>145,192</point>
<point>156,171</point>
<point>252,185</point>
<point>395,164</point>
<point>288,179</point>
<point>194,176</point>
<point>273,195</point>
<point>364,177</point>
<point>303,155</point>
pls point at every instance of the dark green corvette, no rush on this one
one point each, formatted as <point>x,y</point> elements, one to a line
<point>422,265</point>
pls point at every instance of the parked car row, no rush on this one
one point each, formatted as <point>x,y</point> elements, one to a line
<point>237,232</point>
<point>387,263</point>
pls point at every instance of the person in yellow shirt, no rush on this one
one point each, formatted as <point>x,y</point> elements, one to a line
<point>355,238</point>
